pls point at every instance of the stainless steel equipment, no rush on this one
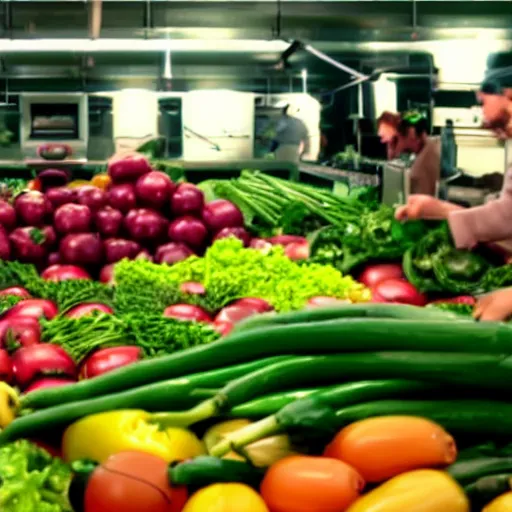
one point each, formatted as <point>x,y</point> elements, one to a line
<point>54,118</point>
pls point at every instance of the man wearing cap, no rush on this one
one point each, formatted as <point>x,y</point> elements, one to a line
<point>292,137</point>
<point>491,222</point>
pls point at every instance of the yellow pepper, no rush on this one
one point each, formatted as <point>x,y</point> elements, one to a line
<point>424,490</point>
<point>78,183</point>
<point>226,498</point>
<point>9,402</point>
<point>502,503</point>
<point>99,436</point>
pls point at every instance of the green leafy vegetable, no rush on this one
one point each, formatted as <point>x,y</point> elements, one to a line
<point>228,272</point>
<point>32,480</point>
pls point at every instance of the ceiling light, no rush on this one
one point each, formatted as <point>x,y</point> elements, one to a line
<point>141,45</point>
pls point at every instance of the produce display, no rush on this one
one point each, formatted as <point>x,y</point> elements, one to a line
<point>251,345</point>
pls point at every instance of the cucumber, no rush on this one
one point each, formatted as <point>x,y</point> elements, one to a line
<point>490,340</point>
<point>469,471</point>
<point>363,310</point>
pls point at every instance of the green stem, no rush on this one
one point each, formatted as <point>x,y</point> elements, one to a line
<point>236,440</point>
<point>203,411</point>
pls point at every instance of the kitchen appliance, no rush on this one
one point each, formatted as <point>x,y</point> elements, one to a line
<point>54,118</point>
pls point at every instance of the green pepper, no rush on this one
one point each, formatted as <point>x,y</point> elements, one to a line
<point>205,470</point>
<point>464,264</point>
<point>82,471</point>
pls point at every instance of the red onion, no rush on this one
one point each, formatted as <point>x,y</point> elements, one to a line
<point>128,168</point>
<point>172,253</point>
<point>239,233</point>
<point>122,197</point>
<point>32,208</point>
<point>221,214</point>
<point>50,237</point>
<point>72,218</point>
<point>92,197</point>
<point>154,189</point>
<point>188,230</point>
<point>61,195</point>
<point>54,259</point>
<point>108,221</point>
<point>118,248</point>
<point>28,244</point>
<point>5,244</point>
<point>187,200</point>
<point>7,215</point>
<point>64,273</point>
<point>144,225</point>
<point>81,249</point>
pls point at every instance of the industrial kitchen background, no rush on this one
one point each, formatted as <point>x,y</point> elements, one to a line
<point>211,77</point>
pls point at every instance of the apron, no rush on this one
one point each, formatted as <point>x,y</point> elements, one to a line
<point>288,153</point>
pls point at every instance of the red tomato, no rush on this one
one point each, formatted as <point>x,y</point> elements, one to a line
<point>310,484</point>
<point>133,482</point>
<point>35,185</point>
<point>259,305</point>
<point>16,290</point>
<point>223,328</point>
<point>297,251</point>
<point>187,312</point>
<point>192,288</point>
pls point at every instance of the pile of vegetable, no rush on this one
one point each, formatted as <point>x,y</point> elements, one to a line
<point>77,328</point>
<point>136,213</point>
<point>388,412</point>
<point>274,206</point>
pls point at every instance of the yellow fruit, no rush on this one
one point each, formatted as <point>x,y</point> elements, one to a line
<point>226,498</point>
<point>184,444</point>
<point>502,503</point>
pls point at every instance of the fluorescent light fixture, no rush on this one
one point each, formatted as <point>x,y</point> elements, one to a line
<point>141,45</point>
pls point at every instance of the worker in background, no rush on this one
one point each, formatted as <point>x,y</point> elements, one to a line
<point>413,139</point>
<point>387,130</point>
<point>292,137</point>
<point>491,222</point>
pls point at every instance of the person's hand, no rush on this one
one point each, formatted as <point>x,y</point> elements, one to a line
<point>495,307</point>
<point>422,207</point>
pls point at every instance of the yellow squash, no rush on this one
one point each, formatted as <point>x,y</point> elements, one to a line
<point>99,436</point>
<point>424,490</point>
<point>502,503</point>
<point>226,498</point>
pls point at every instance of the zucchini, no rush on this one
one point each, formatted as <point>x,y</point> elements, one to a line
<point>469,471</point>
<point>475,417</point>
<point>487,488</point>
